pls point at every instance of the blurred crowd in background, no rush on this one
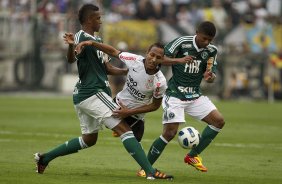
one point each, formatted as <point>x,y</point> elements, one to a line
<point>249,39</point>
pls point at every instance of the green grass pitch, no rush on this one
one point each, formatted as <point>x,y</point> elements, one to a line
<point>248,150</point>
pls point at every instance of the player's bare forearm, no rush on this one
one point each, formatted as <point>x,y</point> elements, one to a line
<point>112,70</point>
<point>69,39</point>
<point>71,54</point>
<point>144,109</point>
<point>100,46</point>
<point>170,61</point>
<point>106,48</point>
<point>125,112</point>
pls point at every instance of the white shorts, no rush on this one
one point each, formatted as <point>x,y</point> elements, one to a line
<point>174,108</point>
<point>96,111</point>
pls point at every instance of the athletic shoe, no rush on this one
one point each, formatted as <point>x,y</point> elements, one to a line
<point>39,166</point>
<point>196,162</point>
<point>141,173</point>
<point>159,175</point>
<point>115,134</point>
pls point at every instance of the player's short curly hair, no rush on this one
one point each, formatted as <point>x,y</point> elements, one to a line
<point>157,44</point>
<point>207,28</point>
<point>85,11</point>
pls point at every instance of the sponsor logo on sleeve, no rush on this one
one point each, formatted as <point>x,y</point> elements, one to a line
<point>129,58</point>
<point>186,46</point>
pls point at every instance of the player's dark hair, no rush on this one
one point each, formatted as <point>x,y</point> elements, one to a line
<point>157,44</point>
<point>207,28</point>
<point>85,11</point>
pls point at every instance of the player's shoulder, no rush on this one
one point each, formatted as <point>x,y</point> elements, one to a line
<point>212,48</point>
<point>83,36</point>
<point>127,56</point>
<point>159,77</point>
<point>183,39</point>
<point>180,42</point>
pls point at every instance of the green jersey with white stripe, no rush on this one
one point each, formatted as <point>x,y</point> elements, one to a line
<point>91,69</point>
<point>186,79</point>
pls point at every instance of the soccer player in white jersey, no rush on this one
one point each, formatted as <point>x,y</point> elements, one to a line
<point>93,103</point>
<point>183,94</point>
<point>144,87</point>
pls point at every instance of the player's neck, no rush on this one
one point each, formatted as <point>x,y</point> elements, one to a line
<point>151,71</point>
<point>88,30</point>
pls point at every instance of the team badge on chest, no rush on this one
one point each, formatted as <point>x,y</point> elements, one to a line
<point>204,55</point>
<point>149,83</point>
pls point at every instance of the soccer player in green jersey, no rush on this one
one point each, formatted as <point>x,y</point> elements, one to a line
<point>183,94</point>
<point>93,103</point>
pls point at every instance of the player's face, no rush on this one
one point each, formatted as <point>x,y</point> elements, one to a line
<point>154,57</point>
<point>95,21</point>
<point>203,40</point>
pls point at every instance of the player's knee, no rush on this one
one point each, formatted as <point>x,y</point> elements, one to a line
<point>91,143</point>
<point>220,122</point>
<point>169,134</point>
<point>89,140</point>
<point>138,134</point>
<point>138,130</point>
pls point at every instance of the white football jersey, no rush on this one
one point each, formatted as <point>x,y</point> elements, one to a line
<point>140,87</point>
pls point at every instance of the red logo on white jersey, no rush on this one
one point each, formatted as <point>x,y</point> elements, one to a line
<point>149,84</point>
<point>157,91</point>
<point>127,57</point>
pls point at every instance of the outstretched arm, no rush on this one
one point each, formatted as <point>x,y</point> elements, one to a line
<point>101,46</point>
<point>112,70</point>
<point>170,61</point>
<point>69,39</point>
<point>124,112</point>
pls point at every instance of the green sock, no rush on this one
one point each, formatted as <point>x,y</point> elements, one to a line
<point>156,149</point>
<point>135,150</point>
<point>208,134</point>
<point>69,147</point>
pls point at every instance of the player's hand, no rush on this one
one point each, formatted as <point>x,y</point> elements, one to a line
<point>80,46</point>
<point>122,112</point>
<point>186,59</point>
<point>209,76</point>
<point>68,38</point>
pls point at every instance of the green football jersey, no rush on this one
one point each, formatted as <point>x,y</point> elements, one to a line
<point>91,70</point>
<point>186,79</point>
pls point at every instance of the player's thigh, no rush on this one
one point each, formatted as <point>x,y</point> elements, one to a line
<point>96,111</point>
<point>200,108</point>
<point>173,110</point>
<point>88,124</point>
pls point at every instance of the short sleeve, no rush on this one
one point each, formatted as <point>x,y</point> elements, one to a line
<point>128,58</point>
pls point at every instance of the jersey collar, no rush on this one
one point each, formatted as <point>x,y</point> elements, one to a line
<point>89,35</point>
<point>195,45</point>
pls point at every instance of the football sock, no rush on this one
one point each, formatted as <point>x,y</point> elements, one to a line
<point>69,147</point>
<point>208,134</point>
<point>135,150</point>
<point>156,149</point>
